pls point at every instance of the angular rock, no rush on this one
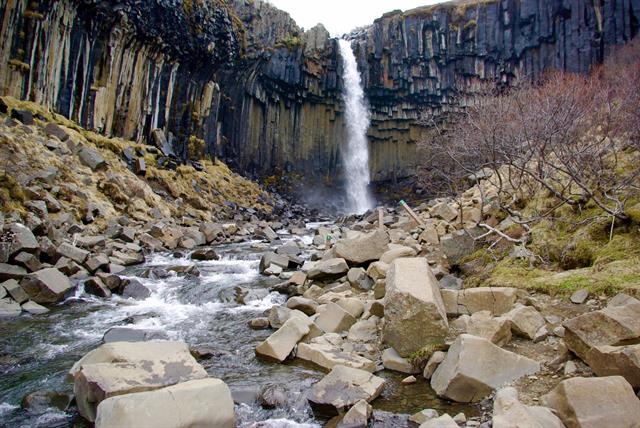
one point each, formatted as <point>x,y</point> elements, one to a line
<point>423,416</point>
<point>526,321</point>
<point>15,291</point>
<point>260,323</point>
<point>595,402</point>
<point>96,262</point>
<point>41,401</point>
<point>334,319</point>
<point>28,261</point>
<point>96,287</point>
<point>328,356</point>
<point>357,416</point>
<point>444,211</point>
<point>342,388</point>
<point>413,308</point>
<point>76,254</point>
<point>602,340</point>
<point>444,421</point>
<point>433,363</point>
<point>20,239</point>
<point>328,269</point>
<point>204,254</point>
<point>396,253</point>
<point>352,305</point>
<point>46,286</point>
<point>91,158</point>
<point>496,330</point>
<point>509,412</point>
<point>457,245</point>
<point>34,308</point>
<point>126,367</point>
<point>279,345</point>
<point>363,249</point>
<point>497,300</point>
<point>54,130</point>
<point>9,308</point>
<point>271,258</point>
<point>474,367</point>
<point>377,271</point>
<point>392,361</point>
<point>365,331</point>
<point>195,403</point>
<point>302,304</point>
<point>358,278</point>
<point>136,290</point>
<point>579,296</point>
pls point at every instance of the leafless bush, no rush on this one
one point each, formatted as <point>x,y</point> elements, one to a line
<point>574,136</point>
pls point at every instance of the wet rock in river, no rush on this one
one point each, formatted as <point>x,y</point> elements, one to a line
<point>46,285</point>
<point>342,388</point>
<point>202,402</point>
<point>135,289</point>
<point>204,255</point>
<point>130,334</point>
<point>279,345</point>
<point>43,400</point>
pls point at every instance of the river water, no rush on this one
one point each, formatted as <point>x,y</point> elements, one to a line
<point>37,351</point>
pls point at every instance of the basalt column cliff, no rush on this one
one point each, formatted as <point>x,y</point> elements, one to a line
<point>261,93</point>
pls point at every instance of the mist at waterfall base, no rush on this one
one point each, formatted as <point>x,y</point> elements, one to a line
<point>355,151</point>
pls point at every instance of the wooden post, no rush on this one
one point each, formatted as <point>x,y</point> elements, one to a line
<point>380,219</point>
<point>411,213</point>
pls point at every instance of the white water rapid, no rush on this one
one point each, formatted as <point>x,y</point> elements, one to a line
<point>355,155</point>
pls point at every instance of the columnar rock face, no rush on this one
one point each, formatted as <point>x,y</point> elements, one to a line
<point>413,309</point>
<point>228,72</point>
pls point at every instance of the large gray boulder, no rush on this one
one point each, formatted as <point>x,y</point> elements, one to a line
<point>195,403</point>
<point>497,300</point>
<point>126,367</point>
<point>509,412</point>
<point>342,388</point>
<point>76,254</point>
<point>413,308</point>
<point>328,269</point>
<point>607,340</point>
<point>595,403</point>
<point>46,285</point>
<point>474,367</point>
<point>364,248</point>
<point>20,239</point>
<point>279,345</point>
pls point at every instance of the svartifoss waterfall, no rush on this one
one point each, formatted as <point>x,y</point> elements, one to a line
<point>355,155</point>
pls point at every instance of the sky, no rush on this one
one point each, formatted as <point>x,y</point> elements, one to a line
<point>341,16</point>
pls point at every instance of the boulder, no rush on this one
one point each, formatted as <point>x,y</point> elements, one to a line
<point>444,421</point>
<point>509,412</point>
<point>279,345</point>
<point>33,308</point>
<point>96,287</point>
<point>474,367</point>
<point>413,308</point>
<point>365,331</point>
<point>352,305</point>
<point>28,261</point>
<point>91,158</point>
<point>302,304</point>
<point>497,330</point>
<point>205,254</point>
<point>392,361</point>
<point>195,403</point>
<point>423,416</point>
<point>96,262</point>
<point>396,253</point>
<point>595,402</point>
<point>357,416</point>
<point>342,388</point>
<point>377,270</point>
<point>9,308</point>
<point>42,401</point>
<point>15,291</point>
<point>21,239</point>
<point>272,258</point>
<point>457,245</point>
<point>364,248</point>
<point>328,269</point>
<point>334,319</point>
<point>358,278</point>
<point>46,285</point>
<point>444,211</point>
<point>134,289</point>
<point>328,356</point>
<point>526,321</point>
<point>603,339</point>
<point>580,296</point>
<point>55,130</point>
<point>497,300</point>
<point>278,315</point>
<point>8,271</point>
<point>71,252</point>
<point>126,367</point>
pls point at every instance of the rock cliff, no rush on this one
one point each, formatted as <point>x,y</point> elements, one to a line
<point>266,96</point>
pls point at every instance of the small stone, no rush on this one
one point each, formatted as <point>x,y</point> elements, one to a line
<point>261,323</point>
<point>409,380</point>
<point>570,368</point>
<point>579,296</point>
<point>423,416</point>
<point>34,308</point>
<point>460,418</point>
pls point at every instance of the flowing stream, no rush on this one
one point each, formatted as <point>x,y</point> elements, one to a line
<point>37,351</point>
<point>355,155</point>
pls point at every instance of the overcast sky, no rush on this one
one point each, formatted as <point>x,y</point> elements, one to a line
<point>341,16</point>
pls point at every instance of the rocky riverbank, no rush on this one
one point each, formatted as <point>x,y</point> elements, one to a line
<point>350,301</point>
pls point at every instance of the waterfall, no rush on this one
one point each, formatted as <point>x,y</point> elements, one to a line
<point>355,155</point>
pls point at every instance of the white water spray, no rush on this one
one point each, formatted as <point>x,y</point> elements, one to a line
<point>355,156</point>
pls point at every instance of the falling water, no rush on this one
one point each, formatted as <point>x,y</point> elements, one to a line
<point>355,156</point>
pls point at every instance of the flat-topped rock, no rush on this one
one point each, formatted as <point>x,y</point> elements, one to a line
<point>279,345</point>
<point>497,300</point>
<point>474,367</point>
<point>342,388</point>
<point>413,308</point>
<point>362,249</point>
<point>509,412</point>
<point>328,269</point>
<point>328,356</point>
<point>595,402</point>
<point>126,367</point>
<point>46,285</point>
